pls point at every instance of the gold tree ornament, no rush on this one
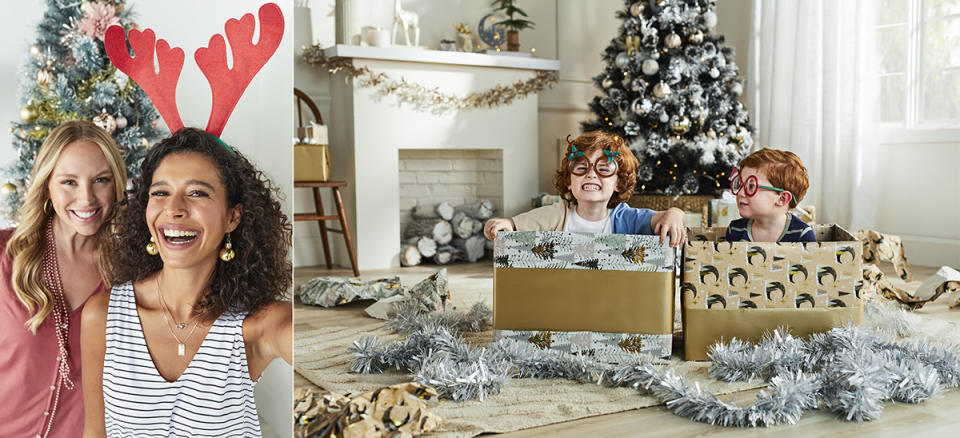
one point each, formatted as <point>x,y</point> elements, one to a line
<point>680,125</point>
<point>8,189</point>
<point>29,113</point>
<point>44,77</point>
<point>35,51</point>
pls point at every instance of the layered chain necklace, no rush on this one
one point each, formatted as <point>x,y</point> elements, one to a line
<point>50,271</point>
<point>181,344</point>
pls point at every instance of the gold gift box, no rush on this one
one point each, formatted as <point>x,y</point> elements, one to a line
<point>744,289</point>
<point>313,134</point>
<point>311,162</point>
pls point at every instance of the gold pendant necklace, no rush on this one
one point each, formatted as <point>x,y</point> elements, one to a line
<point>181,344</point>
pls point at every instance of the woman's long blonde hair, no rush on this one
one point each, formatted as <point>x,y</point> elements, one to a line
<point>28,241</point>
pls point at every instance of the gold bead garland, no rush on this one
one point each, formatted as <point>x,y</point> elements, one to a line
<point>422,96</point>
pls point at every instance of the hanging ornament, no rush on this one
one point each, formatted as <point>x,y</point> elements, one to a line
<point>637,105</point>
<point>639,85</point>
<point>710,19</point>
<point>44,77</point>
<point>661,90</point>
<point>736,88</point>
<point>650,67</point>
<point>637,8</point>
<point>680,125</point>
<point>622,60</point>
<point>696,37</point>
<point>632,43</point>
<point>120,78</point>
<point>121,121</point>
<point>607,82</point>
<point>35,51</point>
<point>29,113</point>
<point>626,79</point>
<point>106,121</point>
<point>712,134</point>
<point>8,189</point>
<point>664,117</point>
<point>714,73</point>
<point>671,41</point>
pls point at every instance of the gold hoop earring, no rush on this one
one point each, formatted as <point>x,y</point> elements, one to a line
<point>152,247</point>
<point>47,203</point>
<point>227,253</point>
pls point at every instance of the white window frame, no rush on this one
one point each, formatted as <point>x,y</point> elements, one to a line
<point>911,129</point>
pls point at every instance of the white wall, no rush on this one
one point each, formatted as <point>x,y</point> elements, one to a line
<point>260,125</point>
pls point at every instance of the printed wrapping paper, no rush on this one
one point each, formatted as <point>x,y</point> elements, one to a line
<point>611,348</point>
<point>605,296</point>
<point>745,288</point>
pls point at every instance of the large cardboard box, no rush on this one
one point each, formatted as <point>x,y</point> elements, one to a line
<point>311,162</point>
<point>607,296</point>
<point>743,289</point>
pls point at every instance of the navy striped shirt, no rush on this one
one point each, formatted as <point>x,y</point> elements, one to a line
<point>796,230</point>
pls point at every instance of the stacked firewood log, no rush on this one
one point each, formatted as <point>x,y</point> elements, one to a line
<point>444,233</point>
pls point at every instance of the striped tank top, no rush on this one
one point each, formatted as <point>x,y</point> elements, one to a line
<point>213,397</point>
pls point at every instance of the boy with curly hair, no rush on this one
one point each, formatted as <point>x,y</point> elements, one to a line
<point>595,180</point>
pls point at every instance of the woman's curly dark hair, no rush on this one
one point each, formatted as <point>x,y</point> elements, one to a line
<point>260,272</point>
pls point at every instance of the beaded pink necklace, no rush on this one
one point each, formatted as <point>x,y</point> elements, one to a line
<point>50,271</point>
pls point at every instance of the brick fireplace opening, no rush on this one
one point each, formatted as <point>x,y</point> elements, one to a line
<point>428,177</point>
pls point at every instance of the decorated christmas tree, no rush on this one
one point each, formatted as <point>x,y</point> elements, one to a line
<point>67,76</point>
<point>670,88</point>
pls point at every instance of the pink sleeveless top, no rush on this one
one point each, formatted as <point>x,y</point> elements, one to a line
<point>28,367</point>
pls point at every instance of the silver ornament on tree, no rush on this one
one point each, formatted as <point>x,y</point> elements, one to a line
<point>672,41</point>
<point>636,9</point>
<point>680,125</point>
<point>710,19</point>
<point>622,60</point>
<point>711,133</point>
<point>696,37</point>
<point>650,67</point>
<point>714,73</point>
<point>606,82</point>
<point>661,90</point>
<point>736,88</point>
<point>637,106</point>
<point>121,121</point>
<point>35,51</point>
<point>664,117</point>
<point>626,79</point>
<point>106,121</point>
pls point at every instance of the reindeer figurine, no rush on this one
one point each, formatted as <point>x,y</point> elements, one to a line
<point>407,20</point>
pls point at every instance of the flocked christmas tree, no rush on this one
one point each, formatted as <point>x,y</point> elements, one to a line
<point>670,88</point>
<point>67,76</point>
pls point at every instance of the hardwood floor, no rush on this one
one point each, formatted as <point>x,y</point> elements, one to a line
<point>939,417</point>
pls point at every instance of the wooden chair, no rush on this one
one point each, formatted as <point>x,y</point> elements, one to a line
<point>321,218</point>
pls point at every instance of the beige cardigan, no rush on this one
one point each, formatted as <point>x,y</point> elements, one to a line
<point>547,218</point>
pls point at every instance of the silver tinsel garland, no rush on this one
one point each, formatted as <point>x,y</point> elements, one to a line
<point>850,370</point>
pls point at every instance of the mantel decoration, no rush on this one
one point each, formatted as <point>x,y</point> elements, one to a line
<point>426,97</point>
<point>514,24</point>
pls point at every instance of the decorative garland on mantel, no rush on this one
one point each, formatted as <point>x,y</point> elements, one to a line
<point>430,98</point>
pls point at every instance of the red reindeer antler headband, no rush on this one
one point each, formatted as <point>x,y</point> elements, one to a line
<point>226,84</point>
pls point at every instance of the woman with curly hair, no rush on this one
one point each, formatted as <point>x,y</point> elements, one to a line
<point>199,268</point>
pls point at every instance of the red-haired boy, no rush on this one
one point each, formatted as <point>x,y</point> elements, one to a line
<point>767,184</point>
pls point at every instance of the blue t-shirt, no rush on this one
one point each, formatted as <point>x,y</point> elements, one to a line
<point>796,230</point>
<point>625,219</point>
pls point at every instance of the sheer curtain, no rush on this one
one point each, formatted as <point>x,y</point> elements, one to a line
<point>813,91</point>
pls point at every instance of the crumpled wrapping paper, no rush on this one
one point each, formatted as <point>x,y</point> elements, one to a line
<point>334,291</point>
<point>432,292</point>
<point>879,247</point>
<point>394,411</point>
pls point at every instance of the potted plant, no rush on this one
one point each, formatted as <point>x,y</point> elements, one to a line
<point>513,23</point>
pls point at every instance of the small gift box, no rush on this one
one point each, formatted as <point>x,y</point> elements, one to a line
<point>311,162</point>
<point>313,134</point>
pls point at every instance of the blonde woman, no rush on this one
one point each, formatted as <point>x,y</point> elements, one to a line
<point>48,270</point>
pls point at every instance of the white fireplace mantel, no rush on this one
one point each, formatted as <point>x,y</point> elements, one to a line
<point>367,130</point>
